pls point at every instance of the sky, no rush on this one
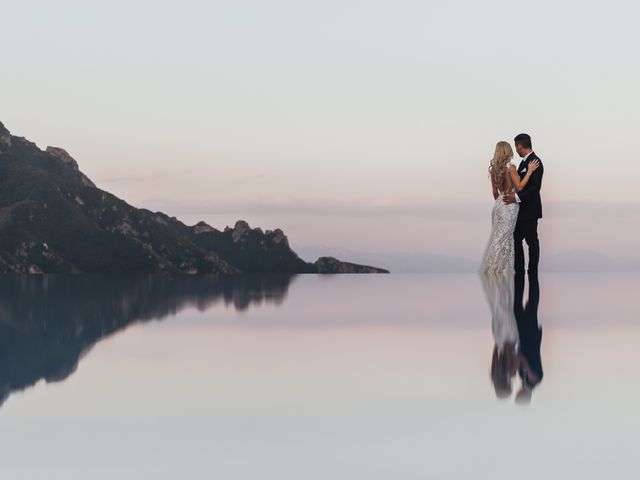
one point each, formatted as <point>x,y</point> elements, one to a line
<point>361,126</point>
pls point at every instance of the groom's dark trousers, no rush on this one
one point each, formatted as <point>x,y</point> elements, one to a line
<point>526,230</point>
<point>528,214</point>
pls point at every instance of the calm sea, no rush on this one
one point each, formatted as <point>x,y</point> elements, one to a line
<point>314,377</point>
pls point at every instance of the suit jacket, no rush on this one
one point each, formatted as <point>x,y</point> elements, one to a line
<point>530,201</point>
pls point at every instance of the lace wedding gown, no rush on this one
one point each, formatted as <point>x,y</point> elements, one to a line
<point>499,255</point>
<point>499,292</point>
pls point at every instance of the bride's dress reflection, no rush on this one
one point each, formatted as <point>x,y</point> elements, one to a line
<point>516,334</point>
<point>499,290</point>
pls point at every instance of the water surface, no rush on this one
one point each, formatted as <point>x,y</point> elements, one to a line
<point>310,376</point>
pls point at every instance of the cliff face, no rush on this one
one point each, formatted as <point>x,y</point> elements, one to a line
<point>53,219</point>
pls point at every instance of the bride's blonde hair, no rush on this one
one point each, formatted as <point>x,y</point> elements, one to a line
<point>497,166</point>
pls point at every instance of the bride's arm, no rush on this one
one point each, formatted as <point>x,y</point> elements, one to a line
<point>515,179</point>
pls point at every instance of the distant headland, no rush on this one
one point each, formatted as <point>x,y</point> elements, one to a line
<point>54,219</point>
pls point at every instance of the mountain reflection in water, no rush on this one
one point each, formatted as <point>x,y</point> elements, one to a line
<point>47,323</point>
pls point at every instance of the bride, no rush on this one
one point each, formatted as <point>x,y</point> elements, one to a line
<point>499,255</point>
<point>499,291</point>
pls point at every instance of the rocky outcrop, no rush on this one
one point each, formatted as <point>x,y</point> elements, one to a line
<point>333,265</point>
<point>67,160</point>
<point>203,227</point>
<point>5,138</point>
<point>63,156</point>
<point>251,249</point>
<point>46,200</point>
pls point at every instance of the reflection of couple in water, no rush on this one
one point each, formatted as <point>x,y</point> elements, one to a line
<point>516,333</point>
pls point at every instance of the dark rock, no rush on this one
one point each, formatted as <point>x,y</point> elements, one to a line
<point>251,250</point>
<point>333,265</point>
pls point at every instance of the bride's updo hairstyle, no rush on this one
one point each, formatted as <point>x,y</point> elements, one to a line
<point>498,164</point>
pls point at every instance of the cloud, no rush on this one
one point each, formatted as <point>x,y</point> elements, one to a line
<point>139,178</point>
<point>451,211</point>
<point>594,209</point>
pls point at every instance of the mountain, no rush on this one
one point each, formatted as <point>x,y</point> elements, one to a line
<point>54,219</point>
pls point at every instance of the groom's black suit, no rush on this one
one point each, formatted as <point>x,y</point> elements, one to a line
<point>529,331</point>
<point>529,213</point>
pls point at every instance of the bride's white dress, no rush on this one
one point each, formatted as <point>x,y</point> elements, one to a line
<point>499,291</point>
<point>499,255</point>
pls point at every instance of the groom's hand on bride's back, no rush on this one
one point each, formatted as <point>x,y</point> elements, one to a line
<point>509,197</point>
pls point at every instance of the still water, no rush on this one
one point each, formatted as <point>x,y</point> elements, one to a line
<point>319,376</point>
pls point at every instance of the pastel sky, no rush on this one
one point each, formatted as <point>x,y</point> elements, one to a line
<point>349,124</point>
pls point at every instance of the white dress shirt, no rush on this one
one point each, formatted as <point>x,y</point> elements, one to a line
<point>524,160</point>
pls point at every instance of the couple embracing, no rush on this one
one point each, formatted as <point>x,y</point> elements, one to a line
<point>516,210</point>
<point>514,219</point>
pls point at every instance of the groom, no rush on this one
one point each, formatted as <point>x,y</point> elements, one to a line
<point>530,336</point>
<point>530,207</point>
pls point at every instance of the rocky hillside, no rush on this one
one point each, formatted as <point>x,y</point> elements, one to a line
<point>54,219</point>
